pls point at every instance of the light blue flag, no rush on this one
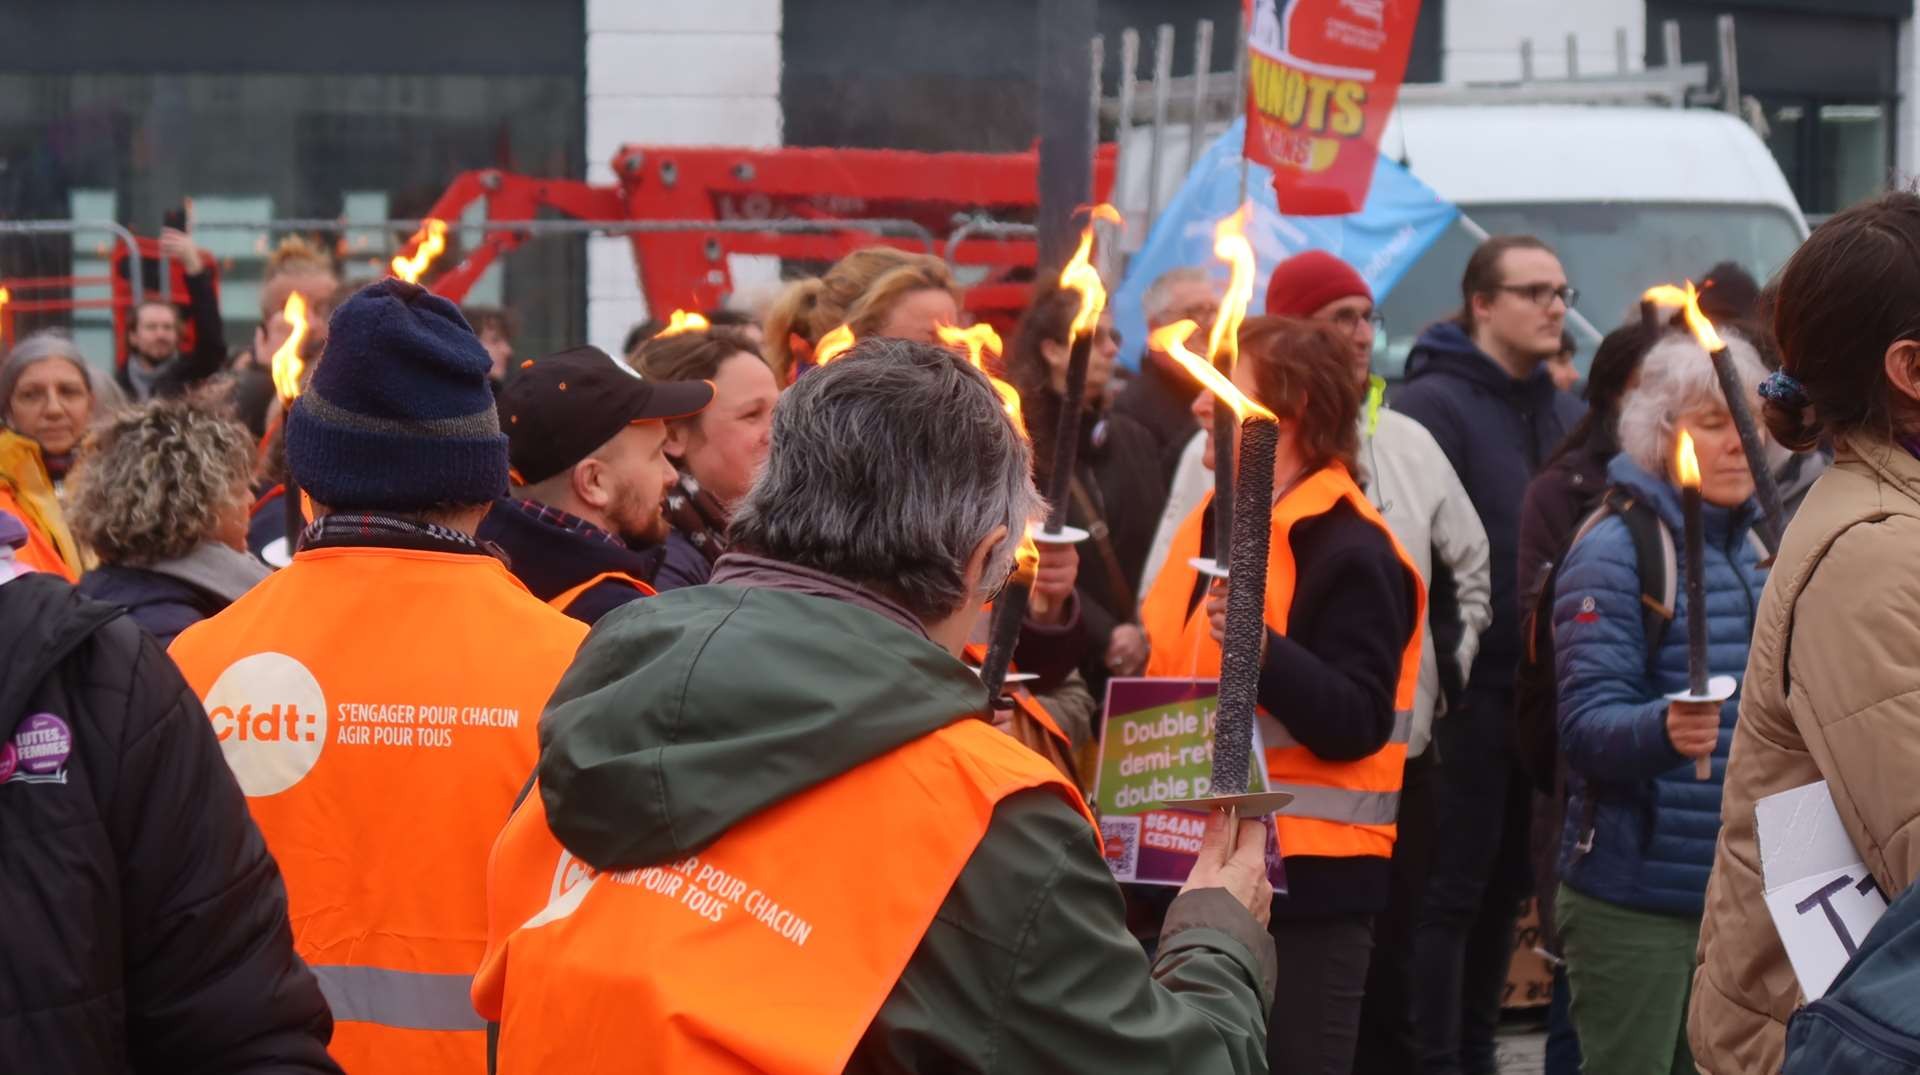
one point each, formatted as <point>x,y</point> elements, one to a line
<point>1401,219</point>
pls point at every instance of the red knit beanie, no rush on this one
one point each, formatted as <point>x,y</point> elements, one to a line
<point>1307,281</point>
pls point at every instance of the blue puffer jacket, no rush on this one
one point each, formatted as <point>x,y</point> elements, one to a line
<point>1654,825</point>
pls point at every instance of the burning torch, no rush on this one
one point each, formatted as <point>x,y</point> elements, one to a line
<point>1010,608</point>
<point>977,340</point>
<point>1699,687</point>
<point>1763,484</point>
<point>1223,350</point>
<point>682,321</point>
<point>1240,651</point>
<point>288,368</point>
<point>1081,276</point>
<point>834,344</point>
<point>428,243</point>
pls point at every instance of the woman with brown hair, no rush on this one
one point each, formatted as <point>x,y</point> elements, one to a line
<point>876,291</point>
<point>1116,494</point>
<point>1832,688</point>
<point>716,452</point>
<point>1338,675</point>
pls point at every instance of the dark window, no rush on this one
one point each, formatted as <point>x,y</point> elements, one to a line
<point>1826,77</point>
<point>120,108</point>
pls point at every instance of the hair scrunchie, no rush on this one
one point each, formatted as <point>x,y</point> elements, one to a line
<point>1782,388</point>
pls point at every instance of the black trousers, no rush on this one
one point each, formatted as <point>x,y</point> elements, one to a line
<point>1316,1004</point>
<point>1387,1042</point>
<point>1479,878</point>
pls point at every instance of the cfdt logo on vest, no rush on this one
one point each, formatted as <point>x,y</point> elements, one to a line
<point>271,719</point>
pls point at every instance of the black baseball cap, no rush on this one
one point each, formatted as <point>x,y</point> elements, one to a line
<point>559,409</point>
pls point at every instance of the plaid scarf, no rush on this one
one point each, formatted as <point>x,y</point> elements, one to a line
<point>386,531</point>
<point>699,517</point>
<point>566,520</point>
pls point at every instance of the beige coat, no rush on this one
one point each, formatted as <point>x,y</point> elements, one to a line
<point>1832,692</point>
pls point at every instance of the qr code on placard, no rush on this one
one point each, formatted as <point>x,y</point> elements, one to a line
<point>1120,837</point>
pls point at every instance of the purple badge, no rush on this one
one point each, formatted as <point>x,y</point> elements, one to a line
<point>9,760</point>
<point>39,748</point>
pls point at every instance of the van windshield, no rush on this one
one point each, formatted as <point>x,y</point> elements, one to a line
<point>1612,252</point>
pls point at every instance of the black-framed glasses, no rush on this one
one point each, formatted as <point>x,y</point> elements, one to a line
<point>1348,320</point>
<point>1542,294</point>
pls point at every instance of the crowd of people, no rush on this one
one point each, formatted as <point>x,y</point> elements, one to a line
<point>473,711</point>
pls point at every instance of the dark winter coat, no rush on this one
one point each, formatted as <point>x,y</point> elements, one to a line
<point>209,354</point>
<point>1654,825</point>
<point>681,564</point>
<point>550,560</point>
<point>143,925</point>
<point>1496,431</point>
<point>169,597</point>
<point>1161,400</point>
<point>1117,465</point>
<point>1026,967</point>
<point>1558,500</point>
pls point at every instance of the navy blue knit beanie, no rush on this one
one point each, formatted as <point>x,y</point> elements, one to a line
<point>398,415</point>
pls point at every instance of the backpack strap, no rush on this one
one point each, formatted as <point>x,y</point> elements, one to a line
<point>1657,563</point>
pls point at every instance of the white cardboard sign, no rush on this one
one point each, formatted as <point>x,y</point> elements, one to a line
<point>1821,895</point>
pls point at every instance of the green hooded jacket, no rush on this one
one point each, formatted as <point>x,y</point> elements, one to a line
<point>689,712</point>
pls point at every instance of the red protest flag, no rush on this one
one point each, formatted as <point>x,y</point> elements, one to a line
<point>1322,76</point>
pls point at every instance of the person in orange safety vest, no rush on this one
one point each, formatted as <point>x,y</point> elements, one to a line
<point>584,529</point>
<point>773,832</point>
<point>1344,605</point>
<point>378,698</point>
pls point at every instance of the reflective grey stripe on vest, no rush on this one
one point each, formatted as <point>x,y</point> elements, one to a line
<point>1275,736</point>
<point>408,1000</point>
<point>1341,804</point>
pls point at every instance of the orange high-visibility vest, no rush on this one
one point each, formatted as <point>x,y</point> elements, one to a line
<point>26,493</point>
<point>379,708</point>
<point>769,951</point>
<point>565,598</point>
<point>1340,809</point>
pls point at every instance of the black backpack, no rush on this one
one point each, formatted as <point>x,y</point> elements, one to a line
<point>1536,694</point>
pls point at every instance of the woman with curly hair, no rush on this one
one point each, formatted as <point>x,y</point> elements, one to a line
<point>161,494</point>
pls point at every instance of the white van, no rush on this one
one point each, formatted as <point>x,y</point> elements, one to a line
<point>1627,196</point>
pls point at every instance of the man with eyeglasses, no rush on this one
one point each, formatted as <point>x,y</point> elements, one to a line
<point>1480,385</point>
<point>1415,489</point>
<point>1161,396</point>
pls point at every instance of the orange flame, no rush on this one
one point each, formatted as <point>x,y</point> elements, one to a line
<point>287,363</point>
<point>1080,275</point>
<point>978,340</point>
<point>428,243</point>
<point>1026,558</point>
<point>833,345</point>
<point>1688,300</point>
<point>682,321</point>
<point>1171,340</point>
<point>6,296</point>
<point>1230,245</point>
<point>1686,463</point>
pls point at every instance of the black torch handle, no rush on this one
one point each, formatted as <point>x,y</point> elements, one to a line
<point>1009,611</point>
<point>1763,483</point>
<point>1224,422</point>
<point>1697,670</point>
<point>1066,443</point>
<point>1246,609</point>
<point>296,521</point>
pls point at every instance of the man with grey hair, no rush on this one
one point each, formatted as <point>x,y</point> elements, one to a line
<point>1160,397</point>
<point>772,828</point>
